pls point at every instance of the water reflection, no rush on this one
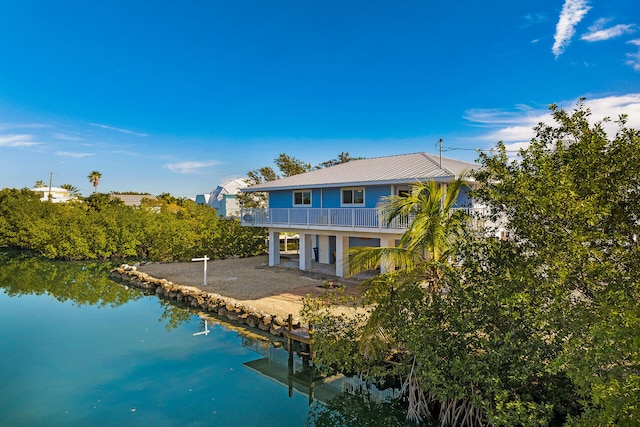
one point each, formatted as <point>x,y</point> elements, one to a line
<point>83,283</point>
<point>335,400</point>
<point>143,356</point>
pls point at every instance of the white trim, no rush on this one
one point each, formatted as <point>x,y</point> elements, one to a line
<point>293,198</point>
<point>353,190</point>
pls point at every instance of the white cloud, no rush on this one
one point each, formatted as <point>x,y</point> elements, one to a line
<point>190,167</point>
<point>73,155</point>
<point>128,132</point>
<point>508,125</point>
<point>614,106</point>
<point>515,128</point>
<point>65,137</point>
<point>597,33</point>
<point>23,140</point>
<point>572,13</point>
<point>634,58</point>
<point>533,19</point>
<point>515,146</point>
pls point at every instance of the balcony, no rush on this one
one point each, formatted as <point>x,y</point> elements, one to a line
<point>356,219</point>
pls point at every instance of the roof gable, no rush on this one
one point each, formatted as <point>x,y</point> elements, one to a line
<point>398,169</point>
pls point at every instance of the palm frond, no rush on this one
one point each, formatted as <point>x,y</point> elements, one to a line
<point>365,258</point>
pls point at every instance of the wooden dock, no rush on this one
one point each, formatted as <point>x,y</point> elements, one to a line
<point>302,335</point>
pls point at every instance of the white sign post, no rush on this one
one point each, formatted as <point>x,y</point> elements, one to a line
<point>206,329</point>
<point>205,259</point>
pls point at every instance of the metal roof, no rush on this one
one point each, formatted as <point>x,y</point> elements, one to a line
<point>397,169</point>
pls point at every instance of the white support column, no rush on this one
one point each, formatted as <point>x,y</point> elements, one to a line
<point>386,242</point>
<point>323,247</point>
<point>305,251</point>
<point>274,248</point>
<point>342,255</point>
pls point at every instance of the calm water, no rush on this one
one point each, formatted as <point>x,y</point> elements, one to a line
<point>79,349</point>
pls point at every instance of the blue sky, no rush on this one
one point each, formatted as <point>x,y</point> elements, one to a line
<point>166,96</point>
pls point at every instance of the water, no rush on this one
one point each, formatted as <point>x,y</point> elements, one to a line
<point>79,349</point>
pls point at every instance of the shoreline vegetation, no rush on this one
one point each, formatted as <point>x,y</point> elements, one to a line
<point>539,329</point>
<point>101,227</point>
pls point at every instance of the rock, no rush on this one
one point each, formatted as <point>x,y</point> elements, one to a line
<point>276,331</point>
<point>253,321</point>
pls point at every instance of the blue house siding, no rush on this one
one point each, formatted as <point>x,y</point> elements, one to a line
<point>329,197</point>
<point>280,199</point>
<point>464,199</point>
<point>374,194</point>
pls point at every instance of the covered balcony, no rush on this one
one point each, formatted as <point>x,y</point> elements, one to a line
<point>338,219</point>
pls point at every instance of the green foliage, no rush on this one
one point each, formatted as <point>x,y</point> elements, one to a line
<point>542,329</point>
<point>342,158</point>
<point>349,410</point>
<point>83,283</point>
<point>101,227</point>
<point>336,336</point>
<point>290,166</point>
<point>572,203</point>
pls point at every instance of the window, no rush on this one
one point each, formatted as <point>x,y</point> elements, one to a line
<point>302,198</point>
<point>403,191</point>
<point>353,196</point>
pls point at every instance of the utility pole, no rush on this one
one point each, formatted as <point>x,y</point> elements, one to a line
<point>50,181</point>
<point>440,144</point>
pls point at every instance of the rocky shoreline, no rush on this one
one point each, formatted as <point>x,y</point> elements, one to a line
<point>209,302</point>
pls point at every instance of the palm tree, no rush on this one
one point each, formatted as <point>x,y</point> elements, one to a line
<point>421,257</point>
<point>39,184</point>
<point>425,247</point>
<point>94,178</point>
<point>73,190</point>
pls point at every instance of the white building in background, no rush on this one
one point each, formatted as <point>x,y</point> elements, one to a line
<point>202,199</point>
<point>224,198</point>
<point>57,194</point>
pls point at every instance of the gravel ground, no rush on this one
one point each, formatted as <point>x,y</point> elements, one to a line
<point>277,290</point>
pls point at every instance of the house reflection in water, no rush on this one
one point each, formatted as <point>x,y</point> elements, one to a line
<point>297,374</point>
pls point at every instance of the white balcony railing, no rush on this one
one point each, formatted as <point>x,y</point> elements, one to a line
<point>338,218</point>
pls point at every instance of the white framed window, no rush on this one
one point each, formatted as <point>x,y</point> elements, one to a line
<point>352,197</point>
<point>302,198</point>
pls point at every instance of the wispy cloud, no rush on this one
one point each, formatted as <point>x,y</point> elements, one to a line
<point>190,167</point>
<point>598,32</point>
<point>73,155</point>
<point>572,13</point>
<point>128,132</point>
<point>22,140</point>
<point>515,128</point>
<point>533,19</point>
<point>634,58</point>
<point>5,126</point>
<point>65,137</point>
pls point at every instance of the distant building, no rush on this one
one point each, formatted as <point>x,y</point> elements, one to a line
<point>224,198</point>
<point>202,199</point>
<point>57,194</point>
<point>132,199</point>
